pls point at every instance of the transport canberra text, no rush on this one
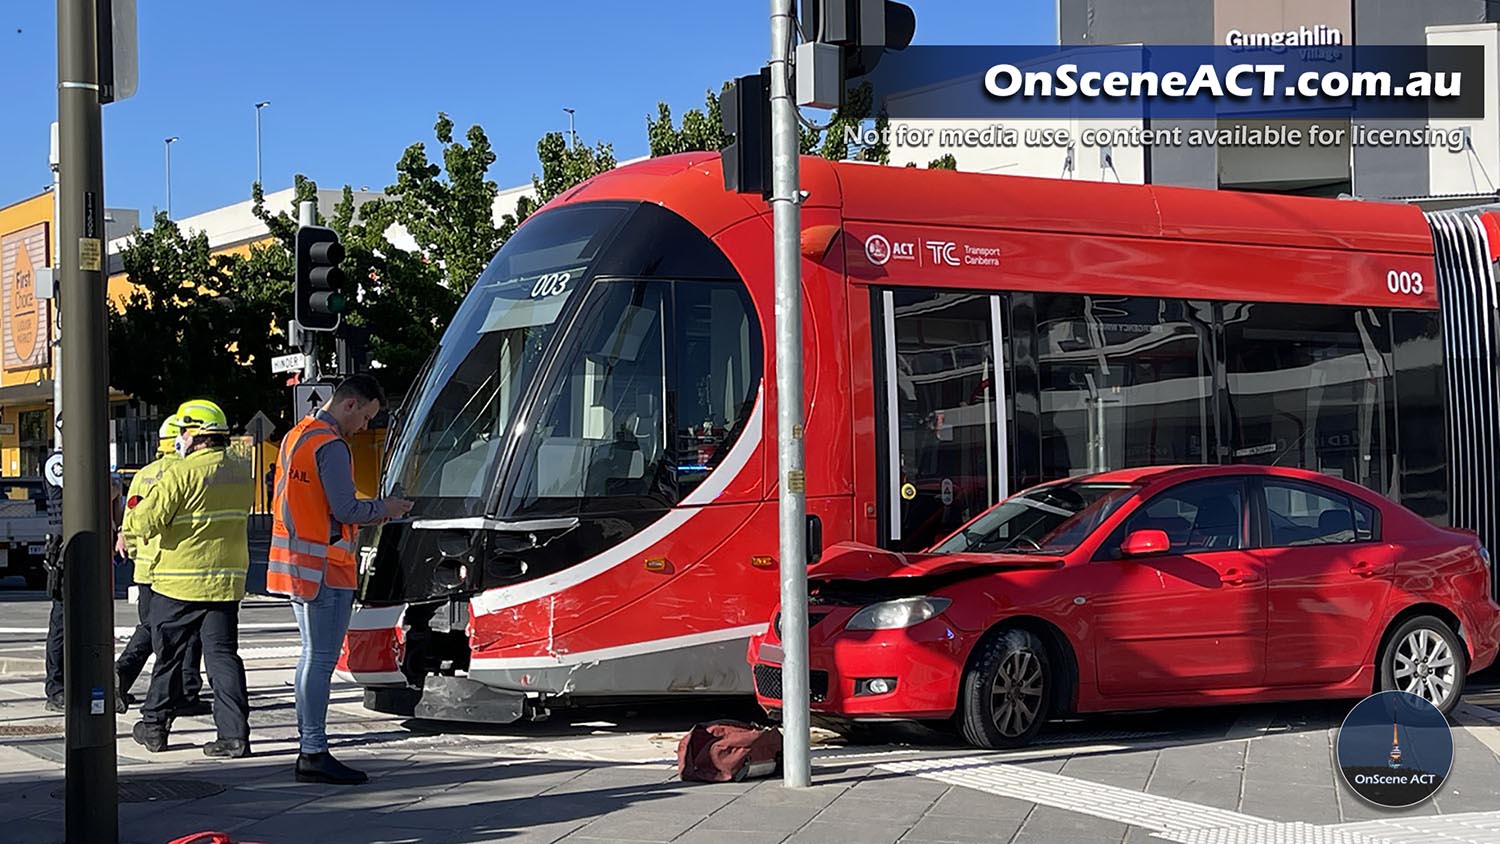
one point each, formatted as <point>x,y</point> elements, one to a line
<point>1240,80</point>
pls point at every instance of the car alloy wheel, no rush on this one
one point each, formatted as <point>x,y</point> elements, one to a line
<point>1425,666</point>
<point>1425,657</point>
<point>1016,694</point>
<point>1007,689</point>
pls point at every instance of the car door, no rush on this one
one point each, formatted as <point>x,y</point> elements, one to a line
<point>1189,619</point>
<point>1328,576</point>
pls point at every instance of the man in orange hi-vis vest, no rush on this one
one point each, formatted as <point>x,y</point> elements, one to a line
<point>313,532</point>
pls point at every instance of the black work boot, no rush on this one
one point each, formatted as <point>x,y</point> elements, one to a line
<point>194,707</point>
<point>55,703</point>
<point>322,767</point>
<point>153,737</point>
<point>228,748</point>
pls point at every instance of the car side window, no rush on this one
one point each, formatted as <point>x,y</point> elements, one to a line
<point>1197,517</point>
<point>1299,514</point>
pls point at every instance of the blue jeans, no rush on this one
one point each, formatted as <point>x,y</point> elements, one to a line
<point>323,621</point>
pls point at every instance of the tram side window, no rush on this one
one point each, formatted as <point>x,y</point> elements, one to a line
<point>717,356</point>
<point>1124,382</point>
<point>1309,387</point>
<point>1422,482</point>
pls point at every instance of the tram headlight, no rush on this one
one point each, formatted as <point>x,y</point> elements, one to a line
<point>897,614</point>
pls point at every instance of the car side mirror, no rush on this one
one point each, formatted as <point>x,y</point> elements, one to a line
<point>1144,543</point>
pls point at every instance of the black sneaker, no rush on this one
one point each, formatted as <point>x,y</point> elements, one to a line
<point>55,704</point>
<point>322,767</point>
<point>228,748</point>
<point>149,736</point>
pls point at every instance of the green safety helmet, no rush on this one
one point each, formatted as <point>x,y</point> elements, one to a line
<point>201,416</point>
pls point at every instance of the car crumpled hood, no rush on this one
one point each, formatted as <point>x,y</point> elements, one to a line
<point>855,561</point>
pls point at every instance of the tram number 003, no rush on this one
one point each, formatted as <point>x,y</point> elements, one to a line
<point>1404,282</point>
<point>550,285</point>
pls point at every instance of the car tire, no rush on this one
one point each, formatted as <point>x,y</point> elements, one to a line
<point>1010,675</point>
<point>1417,642</point>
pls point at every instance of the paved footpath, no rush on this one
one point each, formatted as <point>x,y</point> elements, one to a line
<point>1235,774</point>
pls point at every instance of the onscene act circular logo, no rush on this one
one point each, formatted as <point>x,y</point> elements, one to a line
<point>877,249</point>
<point>1395,749</point>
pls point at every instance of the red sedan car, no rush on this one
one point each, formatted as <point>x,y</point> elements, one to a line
<point>1142,589</point>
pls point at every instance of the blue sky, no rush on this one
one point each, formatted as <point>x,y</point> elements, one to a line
<point>352,84</point>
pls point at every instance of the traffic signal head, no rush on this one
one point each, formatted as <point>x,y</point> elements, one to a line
<point>746,114</point>
<point>864,29</point>
<point>319,284</point>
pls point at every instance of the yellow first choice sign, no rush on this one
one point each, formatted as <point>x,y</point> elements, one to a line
<point>25,316</point>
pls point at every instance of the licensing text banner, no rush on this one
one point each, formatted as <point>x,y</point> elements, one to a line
<point>1283,80</point>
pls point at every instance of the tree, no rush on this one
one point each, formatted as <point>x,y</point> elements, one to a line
<point>702,129</point>
<point>183,328</point>
<point>945,162</point>
<point>448,211</point>
<point>563,167</point>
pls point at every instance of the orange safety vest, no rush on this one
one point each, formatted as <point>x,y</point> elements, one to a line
<point>308,548</point>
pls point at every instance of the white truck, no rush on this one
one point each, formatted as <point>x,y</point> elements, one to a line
<point>23,530</point>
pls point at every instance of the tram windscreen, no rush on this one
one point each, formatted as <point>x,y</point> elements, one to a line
<point>463,409</point>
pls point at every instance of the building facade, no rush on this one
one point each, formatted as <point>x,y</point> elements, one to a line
<point>1462,167</point>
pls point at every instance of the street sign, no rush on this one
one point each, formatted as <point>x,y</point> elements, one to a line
<point>289,363</point>
<point>307,398</point>
<point>260,427</point>
<point>53,469</point>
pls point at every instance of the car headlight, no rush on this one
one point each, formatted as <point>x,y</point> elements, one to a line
<point>894,615</point>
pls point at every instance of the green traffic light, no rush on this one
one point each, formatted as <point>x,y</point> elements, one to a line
<point>328,302</point>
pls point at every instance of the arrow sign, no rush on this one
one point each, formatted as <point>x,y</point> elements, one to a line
<point>260,427</point>
<point>307,398</point>
<point>289,363</point>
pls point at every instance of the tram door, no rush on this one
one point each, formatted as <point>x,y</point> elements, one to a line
<point>941,393</point>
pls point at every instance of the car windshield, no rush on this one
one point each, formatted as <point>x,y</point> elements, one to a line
<point>1052,519</point>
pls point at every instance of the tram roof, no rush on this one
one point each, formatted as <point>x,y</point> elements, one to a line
<point>691,184</point>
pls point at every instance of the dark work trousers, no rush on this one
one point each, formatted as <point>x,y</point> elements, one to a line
<point>174,624</point>
<point>133,658</point>
<point>54,686</point>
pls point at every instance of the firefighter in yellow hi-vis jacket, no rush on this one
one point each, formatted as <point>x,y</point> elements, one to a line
<point>197,509</point>
<point>143,554</point>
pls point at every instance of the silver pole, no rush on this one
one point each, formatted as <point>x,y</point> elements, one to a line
<point>786,217</point>
<point>307,215</point>
<point>168,144</point>
<point>258,107</point>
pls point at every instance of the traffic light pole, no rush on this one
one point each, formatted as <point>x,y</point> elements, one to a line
<point>786,225</point>
<point>92,809</point>
<point>307,215</point>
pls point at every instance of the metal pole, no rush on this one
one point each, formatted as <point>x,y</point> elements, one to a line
<point>786,216</point>
<point>572,135</point>
<point>258,106</point>
<point>55,324</point>
<point>307,215</point>
<point>91,810</point>
<point>168,144</point>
